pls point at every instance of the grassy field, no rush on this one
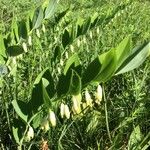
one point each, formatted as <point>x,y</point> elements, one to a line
<point>118,121</point>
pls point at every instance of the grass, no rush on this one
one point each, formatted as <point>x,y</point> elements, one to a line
<point>127,97</point>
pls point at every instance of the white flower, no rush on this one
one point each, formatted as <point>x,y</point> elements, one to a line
<point>30,134</point>
<point>62,110</point>
<point>52,118</point>
<point>76,104</point>
<point>45,124</point>
<point>99,93</point>
<point>30,40</point>
<point>66,55</point>
<point>24,45</point>
<point>67,112</point>
<point>88,99</point>
<point>43,28</point>
<point>72,48</point>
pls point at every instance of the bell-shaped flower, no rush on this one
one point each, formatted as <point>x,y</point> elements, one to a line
<point>99,94</point>
<point>62,110</point>
<point>67,112</point>
<point>45,124</point>
<point>76,104</point>
<point>24,45</point>
<point>88,99</point>
<point>52,118</point>
<point>30,134</point>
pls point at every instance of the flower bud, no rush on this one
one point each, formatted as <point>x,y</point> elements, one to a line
<point>99,93</point>
<point>30,40</point>
<point>38,33</point>
<point>97,30</point>
<point>84,40</point>
<point>62,110</point>
<point>76,105</point>
<point>59,70</point>
<point>72,48</point>
<point>67,112</point>
<point>61,62</point>
<point>43,28</point>
<point>24,45</point>
<point>30,134</point>
<point>45,124</point>
<point>52,118</point>
<point>88,99</point>
<point>66,55</point>
<point>78,43</point>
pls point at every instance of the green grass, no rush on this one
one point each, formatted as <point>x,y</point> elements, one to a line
<point>127,96</point>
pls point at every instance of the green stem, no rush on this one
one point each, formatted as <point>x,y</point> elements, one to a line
<point>106,115</point>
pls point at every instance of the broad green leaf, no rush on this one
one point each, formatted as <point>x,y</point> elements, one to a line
<point>57,53</point>
<point>21,109</point>
<point>15,50</point>
<point>73,60</point>
<point>108,61</point>
<point>22,29</point>
<point>38,17</point>
<point>36,101</point>
<point>43,91</point>
<point>36,122</point>
<point>66,38</point>
<point>135,139</point>
<point>46,98</point>
<point>86,26</point>
<point>123,51</point>
<point>91,72</point>
<point>61,15</point>
<point>138,56</point>
<point>51,8</point>
<point>18,128</point>
<point>64,84</point>
<point>2,47</point>
<point>75,84</point>
<point>45,75</point>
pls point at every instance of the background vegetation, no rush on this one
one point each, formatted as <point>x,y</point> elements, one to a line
<point>127,95</point>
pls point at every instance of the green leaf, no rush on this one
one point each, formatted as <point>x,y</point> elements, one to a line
<point>46,98</point>
<point>73,60</point>
<point>18,128</point>
<point>61,15</point>
<point>2,47</point>
<point>75,84</point>
<point>66,38</point>
<point>123,51</point>
<point>21,109</point>
<point>51,8</point>
<point>15,50</point>
<point>64,84</point>
<point>135,138</point>
<point>91,72</point>
<point>37,18</point>
<point>43,91</point>
<point>108,61</point>
<point>22,30</point>
<point>86,26</point>
<point>101,69</point>
<point>138,56</point>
